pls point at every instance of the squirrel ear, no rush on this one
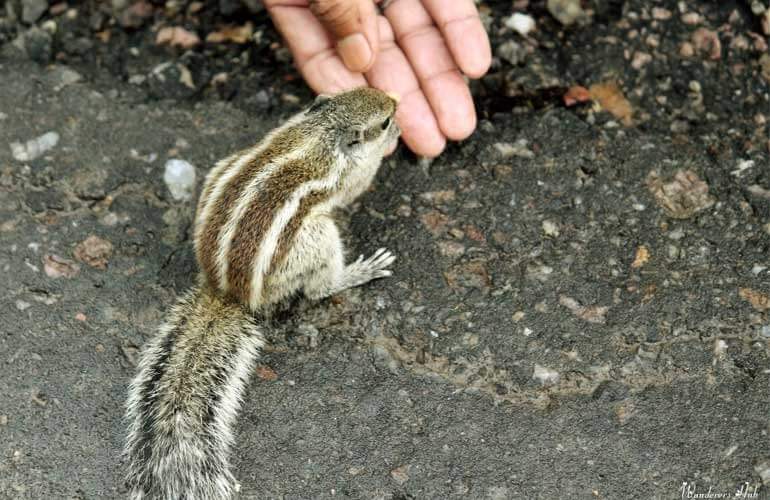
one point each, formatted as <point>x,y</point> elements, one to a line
<point>319,102</point>
<point>351,137</point>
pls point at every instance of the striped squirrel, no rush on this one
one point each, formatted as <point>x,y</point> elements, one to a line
<point>263,232</point>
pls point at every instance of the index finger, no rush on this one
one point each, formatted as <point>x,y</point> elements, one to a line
<point>465,36</point>
<point>313,50</point>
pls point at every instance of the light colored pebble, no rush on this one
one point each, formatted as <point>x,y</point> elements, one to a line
<point>34,148</point>
<point>179,176</point>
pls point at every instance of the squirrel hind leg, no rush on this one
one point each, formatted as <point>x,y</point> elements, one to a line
<point>317,262</point>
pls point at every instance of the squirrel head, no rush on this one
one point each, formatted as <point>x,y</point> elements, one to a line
<point>359,123</point>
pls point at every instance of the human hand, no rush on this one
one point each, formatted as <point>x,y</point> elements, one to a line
<point>419,49</point>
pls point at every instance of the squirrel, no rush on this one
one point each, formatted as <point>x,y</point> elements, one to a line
<point>263,233</point>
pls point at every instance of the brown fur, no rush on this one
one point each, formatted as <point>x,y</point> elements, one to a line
<point>209,238</point>
<point>259,216</point>
<point>290,231</point>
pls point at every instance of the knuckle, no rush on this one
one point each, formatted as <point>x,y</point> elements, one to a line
<point>335,13</point>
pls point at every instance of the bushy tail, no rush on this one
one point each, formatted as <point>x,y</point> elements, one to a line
<point>183,401</point>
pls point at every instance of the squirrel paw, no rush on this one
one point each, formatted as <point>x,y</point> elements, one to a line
<point>374,267</point>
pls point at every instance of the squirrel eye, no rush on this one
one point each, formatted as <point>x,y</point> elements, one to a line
<point>385,124</point>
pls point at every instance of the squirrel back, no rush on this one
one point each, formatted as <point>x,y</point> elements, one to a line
<point>263,232</point>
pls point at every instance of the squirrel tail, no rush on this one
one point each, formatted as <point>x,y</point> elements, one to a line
<point>184,399</point>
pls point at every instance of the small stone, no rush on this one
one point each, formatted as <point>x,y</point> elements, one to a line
<point>686,50</point>
<point>468,275</point>
<point>451,249</point>
<point>264,372</point>
<point>611,98</point>
<point>591,314</point>
<point>400,474</point>
<point>59,267</point>
<point>31,10</point>
<point>692,18</point>
<point>641,258</point>
<point>63,76</point>
<point>37,44</point>
<point>640,59</point>
<point>544,375</point>
<point>661,14</point>
<point>540,273</point>
<point>22,305</point>
<point>758,300</point>
<point>764,64</point>
<point>94,251</point>
<point>550,229</point>
<point>180,179</point>
<point>474,233</point>
<point>171,80</point>
<point>39,398</point>
<point>34,148</point>
<point>58,9</point>
<point>439,197</point>
<point>435,222</point>
<point>679,126</point>
<point>176,36</point>
<point>234,34</point>
<point>566,11</point>
<point>763,469</point>
<point>652,40</point>
<point>135,15</point>
<point>511,52</point>
<point>404,211</point>
<point>520,23</point>
<point>673,252</point>
<point>764,21</point>
<point>681,197</point>
<point>706,40</point>
<point>81,317</point>
<point>742,166</point>
<point>676,235</point>
<point>502,171</point>
<point>519,148</point>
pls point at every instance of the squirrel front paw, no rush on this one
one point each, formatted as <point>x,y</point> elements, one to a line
<point>362,271</point>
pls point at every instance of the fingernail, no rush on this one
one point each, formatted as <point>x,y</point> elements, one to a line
<point>355,52</point>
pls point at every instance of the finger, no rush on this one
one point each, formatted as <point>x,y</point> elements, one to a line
<point>392,73</point>
<point>439,77</point>
<point>353,23</point>
<point>461,26</point>
<point>313,49</point>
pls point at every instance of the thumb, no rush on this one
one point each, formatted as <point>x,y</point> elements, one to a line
<point>353,24</point>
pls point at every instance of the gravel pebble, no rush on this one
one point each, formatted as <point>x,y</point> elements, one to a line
<point>520,23</point>
<point>566,11</point>
<point>34,148</point>
<point>32,10</point>
<point>544,375</point>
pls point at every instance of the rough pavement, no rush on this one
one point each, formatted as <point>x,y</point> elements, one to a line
<point>579,308</point>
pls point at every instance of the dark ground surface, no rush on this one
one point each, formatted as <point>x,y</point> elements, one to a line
<point>561,324</point>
